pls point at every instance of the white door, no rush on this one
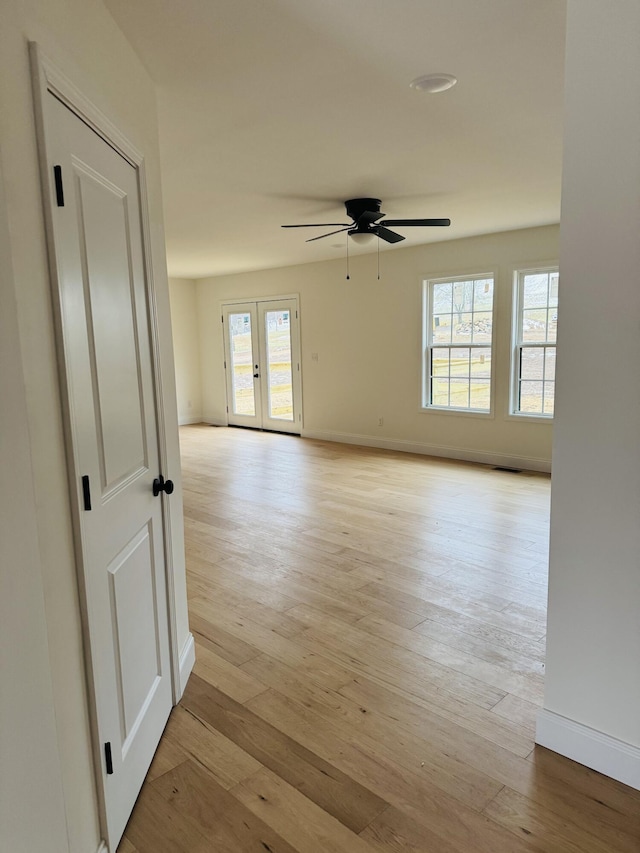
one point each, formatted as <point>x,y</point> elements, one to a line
<point>262,363</point>
<point>113,450</point>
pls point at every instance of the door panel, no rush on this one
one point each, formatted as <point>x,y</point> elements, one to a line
<point>134,615</point>
<point>263,365</point>
<point>113,344</point>
<point>113,444</point>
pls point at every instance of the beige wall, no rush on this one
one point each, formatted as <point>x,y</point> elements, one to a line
<point>593,653</point>
<point>30,773</point>
<point>367,336</point>
<point>184,323</point>
<point>81,38</point>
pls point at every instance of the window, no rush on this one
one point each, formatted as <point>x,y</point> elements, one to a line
<point>458,332</point>
<point>534,350</point>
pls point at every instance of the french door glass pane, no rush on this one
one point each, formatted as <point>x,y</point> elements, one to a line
<point>279,372</point>
<point>243,397</point>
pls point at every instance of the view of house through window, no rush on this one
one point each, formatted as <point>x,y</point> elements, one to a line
<point>458,338</point>
<point>534,352</point>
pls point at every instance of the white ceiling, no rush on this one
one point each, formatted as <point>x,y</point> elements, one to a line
<point>277,111</point>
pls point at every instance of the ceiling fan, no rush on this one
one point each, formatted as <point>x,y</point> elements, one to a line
<point>366,216</point>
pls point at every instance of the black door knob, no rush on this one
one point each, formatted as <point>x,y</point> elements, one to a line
<point>162,485</point>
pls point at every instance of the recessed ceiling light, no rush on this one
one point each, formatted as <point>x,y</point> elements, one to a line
<point>433,83</point>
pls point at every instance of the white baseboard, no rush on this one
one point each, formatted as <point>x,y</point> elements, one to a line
<point>587,746</point>
<point>103,847</point>
<point>526,463</point>
<point>213,421</point>
<point>197,419</point>
<point>187,660</point>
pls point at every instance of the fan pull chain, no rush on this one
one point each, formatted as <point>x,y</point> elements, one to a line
<point>378,258</point>
<point>348,276</point>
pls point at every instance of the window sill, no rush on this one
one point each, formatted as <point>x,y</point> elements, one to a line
<point>529,419</point>
<point>467,413</point>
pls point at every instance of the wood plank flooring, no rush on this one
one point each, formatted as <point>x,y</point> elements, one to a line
<point>370,635</point>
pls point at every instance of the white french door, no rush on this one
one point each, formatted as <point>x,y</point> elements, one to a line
<point>262,364</point>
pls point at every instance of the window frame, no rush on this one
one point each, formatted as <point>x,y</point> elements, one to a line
<point>428,283</point>
<point>518,344</point>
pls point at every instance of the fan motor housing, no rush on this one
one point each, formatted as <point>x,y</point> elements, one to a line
<point>357,206</point>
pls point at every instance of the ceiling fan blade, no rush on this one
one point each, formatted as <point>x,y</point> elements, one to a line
<point>329,234</point>
<point>385,234</point>
<point>316,225</point>
<point>369,217</point>
<point>404,223</point>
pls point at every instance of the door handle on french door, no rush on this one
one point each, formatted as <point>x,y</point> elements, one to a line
<point>256,375</point>
<point>162,485</point>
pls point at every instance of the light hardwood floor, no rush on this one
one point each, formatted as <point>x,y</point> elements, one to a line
<point>370,658</point>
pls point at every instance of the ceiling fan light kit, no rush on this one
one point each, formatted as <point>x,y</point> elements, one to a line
<point>362,237</point>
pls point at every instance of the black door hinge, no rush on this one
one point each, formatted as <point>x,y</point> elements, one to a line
<point>86,493</point>
<point>57,176</point>
<point>108,759</point>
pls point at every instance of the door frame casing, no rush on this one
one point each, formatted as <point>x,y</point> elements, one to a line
<point>254,300</point>
<point>48,80</point>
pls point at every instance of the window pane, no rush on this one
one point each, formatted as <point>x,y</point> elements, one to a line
<point>460,362</point>
<point>531,397</point>
<point>537,307</point>
<point>460,393</point>
<point>535,290</point>
<point>440,392</point>
<point>481,394</point>
<point>440,362</point>
<point>462,314</point>
<point>550,363</point>
<point>241,364</point>
<point>442,329</point>
<point>279,379</point>
<point>462,296</point>
<point>534,325</point>
<point>442,294</point>
<point>532,363</point>
<point>549,390</point>
<point>483,295</point>
<point>462,325</point>
<point>481,363</point>
<point>482,327</point>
